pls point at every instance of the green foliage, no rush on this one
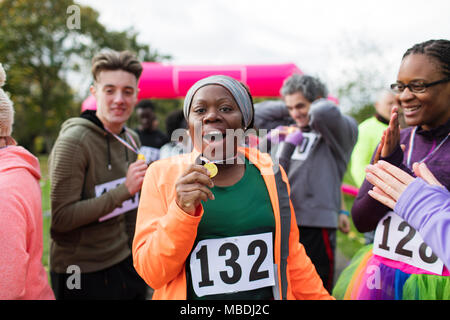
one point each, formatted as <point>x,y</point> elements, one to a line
<point>365,70</point>
<point>40,52</point>
<point>359,95</point>
<point>361,113</point>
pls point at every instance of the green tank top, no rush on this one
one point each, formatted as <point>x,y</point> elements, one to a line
<point>239,210</point>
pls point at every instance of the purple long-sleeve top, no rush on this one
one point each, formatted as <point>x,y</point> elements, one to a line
<point>366,211</point>
<point>427,209</point>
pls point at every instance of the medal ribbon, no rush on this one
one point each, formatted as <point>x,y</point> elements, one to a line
<point>133,147</point>
<point>411,147</point>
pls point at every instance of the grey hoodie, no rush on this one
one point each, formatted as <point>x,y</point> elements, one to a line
<point>316,167</point>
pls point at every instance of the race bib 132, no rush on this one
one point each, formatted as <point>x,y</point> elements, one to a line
<point>232,264</point>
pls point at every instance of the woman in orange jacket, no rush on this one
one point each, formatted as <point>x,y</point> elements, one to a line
<point>225,229</point>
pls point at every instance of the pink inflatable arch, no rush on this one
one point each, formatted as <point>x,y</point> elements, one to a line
<point>161,81</point>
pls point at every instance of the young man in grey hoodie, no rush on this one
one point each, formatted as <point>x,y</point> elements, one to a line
<point>314,152</point>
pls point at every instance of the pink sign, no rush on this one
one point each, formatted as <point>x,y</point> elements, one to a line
<point>161,81</point>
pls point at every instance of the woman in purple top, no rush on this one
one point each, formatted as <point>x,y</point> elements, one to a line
<point>423,202</point>
<point>399,264</point>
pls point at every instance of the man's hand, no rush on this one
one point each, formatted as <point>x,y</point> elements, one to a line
<point>135,176</point>
<point>281,132</point>
<point>343,223</point>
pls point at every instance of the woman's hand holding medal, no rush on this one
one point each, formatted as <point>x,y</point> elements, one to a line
<point>194,186</point>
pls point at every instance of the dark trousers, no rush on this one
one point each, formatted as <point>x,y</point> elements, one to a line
<point>119,282</point>
<point>320,246</point>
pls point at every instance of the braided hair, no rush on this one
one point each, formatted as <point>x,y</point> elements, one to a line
<point>438,49</point>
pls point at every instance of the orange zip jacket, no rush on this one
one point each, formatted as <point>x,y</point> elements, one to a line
<point>165,234</point>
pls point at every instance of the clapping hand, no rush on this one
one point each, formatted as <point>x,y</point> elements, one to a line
<point>390,182</point>
<point>390,138</point>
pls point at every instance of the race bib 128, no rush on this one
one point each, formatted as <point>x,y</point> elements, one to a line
<point>232,264</point>
<point>395,239</point>
<point>126,206</point>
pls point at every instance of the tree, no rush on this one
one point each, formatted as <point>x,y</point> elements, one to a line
<point>365,71</point>
<point>41,46</point>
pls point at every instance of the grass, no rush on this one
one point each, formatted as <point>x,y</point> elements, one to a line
<point>45,188</point>
<point>348,244</point>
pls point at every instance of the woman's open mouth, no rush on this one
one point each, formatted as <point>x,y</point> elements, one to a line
<point>213,137</point>
<point>214,144</point>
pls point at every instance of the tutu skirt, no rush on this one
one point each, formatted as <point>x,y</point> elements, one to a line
<point>371,277</point>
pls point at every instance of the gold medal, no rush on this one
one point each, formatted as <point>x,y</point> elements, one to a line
<point>291,129</point>
<point>141,157</point>
<point>212,168</point>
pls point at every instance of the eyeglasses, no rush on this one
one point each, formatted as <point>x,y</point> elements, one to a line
<point>415,86</point>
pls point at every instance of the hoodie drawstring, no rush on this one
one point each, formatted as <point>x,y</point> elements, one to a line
<point>108,153</point>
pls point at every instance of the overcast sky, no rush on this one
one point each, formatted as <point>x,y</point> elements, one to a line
<point>322,37</point>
